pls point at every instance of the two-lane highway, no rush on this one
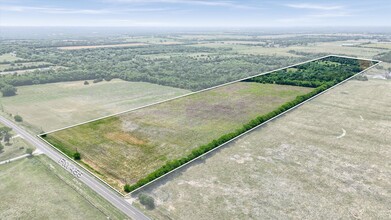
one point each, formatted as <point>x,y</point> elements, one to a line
<point>111,196</point>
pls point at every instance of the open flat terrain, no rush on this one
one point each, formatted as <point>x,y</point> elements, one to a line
<point>335,47</point>
<point>330,158</point>
<point>56,105</point>
<point>127,147</point>
<point>38,188</point>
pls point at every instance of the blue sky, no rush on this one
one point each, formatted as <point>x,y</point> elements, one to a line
<point>195,13</point>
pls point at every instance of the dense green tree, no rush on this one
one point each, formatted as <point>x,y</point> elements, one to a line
<point>76,156</point>
<point>8,90</point>
<point>18,118</point>
<point>7,137</point>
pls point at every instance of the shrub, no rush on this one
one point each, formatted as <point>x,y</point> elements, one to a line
<point>86,83</point>
<point>147,201</point>
<point>29,151</point>
<point>76,156</point>
<point>127,188</point>
<point>8,90</point>
<point>18,118</point>
<point>97,80</point>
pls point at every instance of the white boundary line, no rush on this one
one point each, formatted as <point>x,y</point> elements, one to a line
<point>203,90</point>
<point>296,106</point>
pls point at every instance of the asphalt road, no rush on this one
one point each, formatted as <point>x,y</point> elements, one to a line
<point>111,196</point>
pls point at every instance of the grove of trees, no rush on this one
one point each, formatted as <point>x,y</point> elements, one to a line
<point>315,74</point>
<point>181,69</point>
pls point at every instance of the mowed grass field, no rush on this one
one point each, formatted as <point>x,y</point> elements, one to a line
<point>327,159</point>
<point>127,147</point>
<point>38,188</point>
<point>57,105</point>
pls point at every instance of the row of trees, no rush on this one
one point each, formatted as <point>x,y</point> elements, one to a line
<point>26,67</point>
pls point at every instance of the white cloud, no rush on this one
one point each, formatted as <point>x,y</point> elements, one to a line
<point>330,15</point>
<point>230,4</point>
<point>56,10</point>
<point>315,6</point>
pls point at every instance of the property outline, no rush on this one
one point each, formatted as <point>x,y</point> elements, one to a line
<point>203,90</point>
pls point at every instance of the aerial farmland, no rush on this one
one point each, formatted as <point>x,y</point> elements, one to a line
<point>133,148</point>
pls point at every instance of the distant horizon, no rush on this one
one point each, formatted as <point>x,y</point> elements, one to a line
<point>194,13</point>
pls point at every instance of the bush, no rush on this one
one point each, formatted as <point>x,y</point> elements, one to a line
<point>1,147</point>
<point>127,188</point>
<point>18,118</point>
<point>86,83</point>
<point>29,151</point>
<point>97,80</point>
<point>147,201</point>
<point>76,156</point>
<point>8,90</point>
